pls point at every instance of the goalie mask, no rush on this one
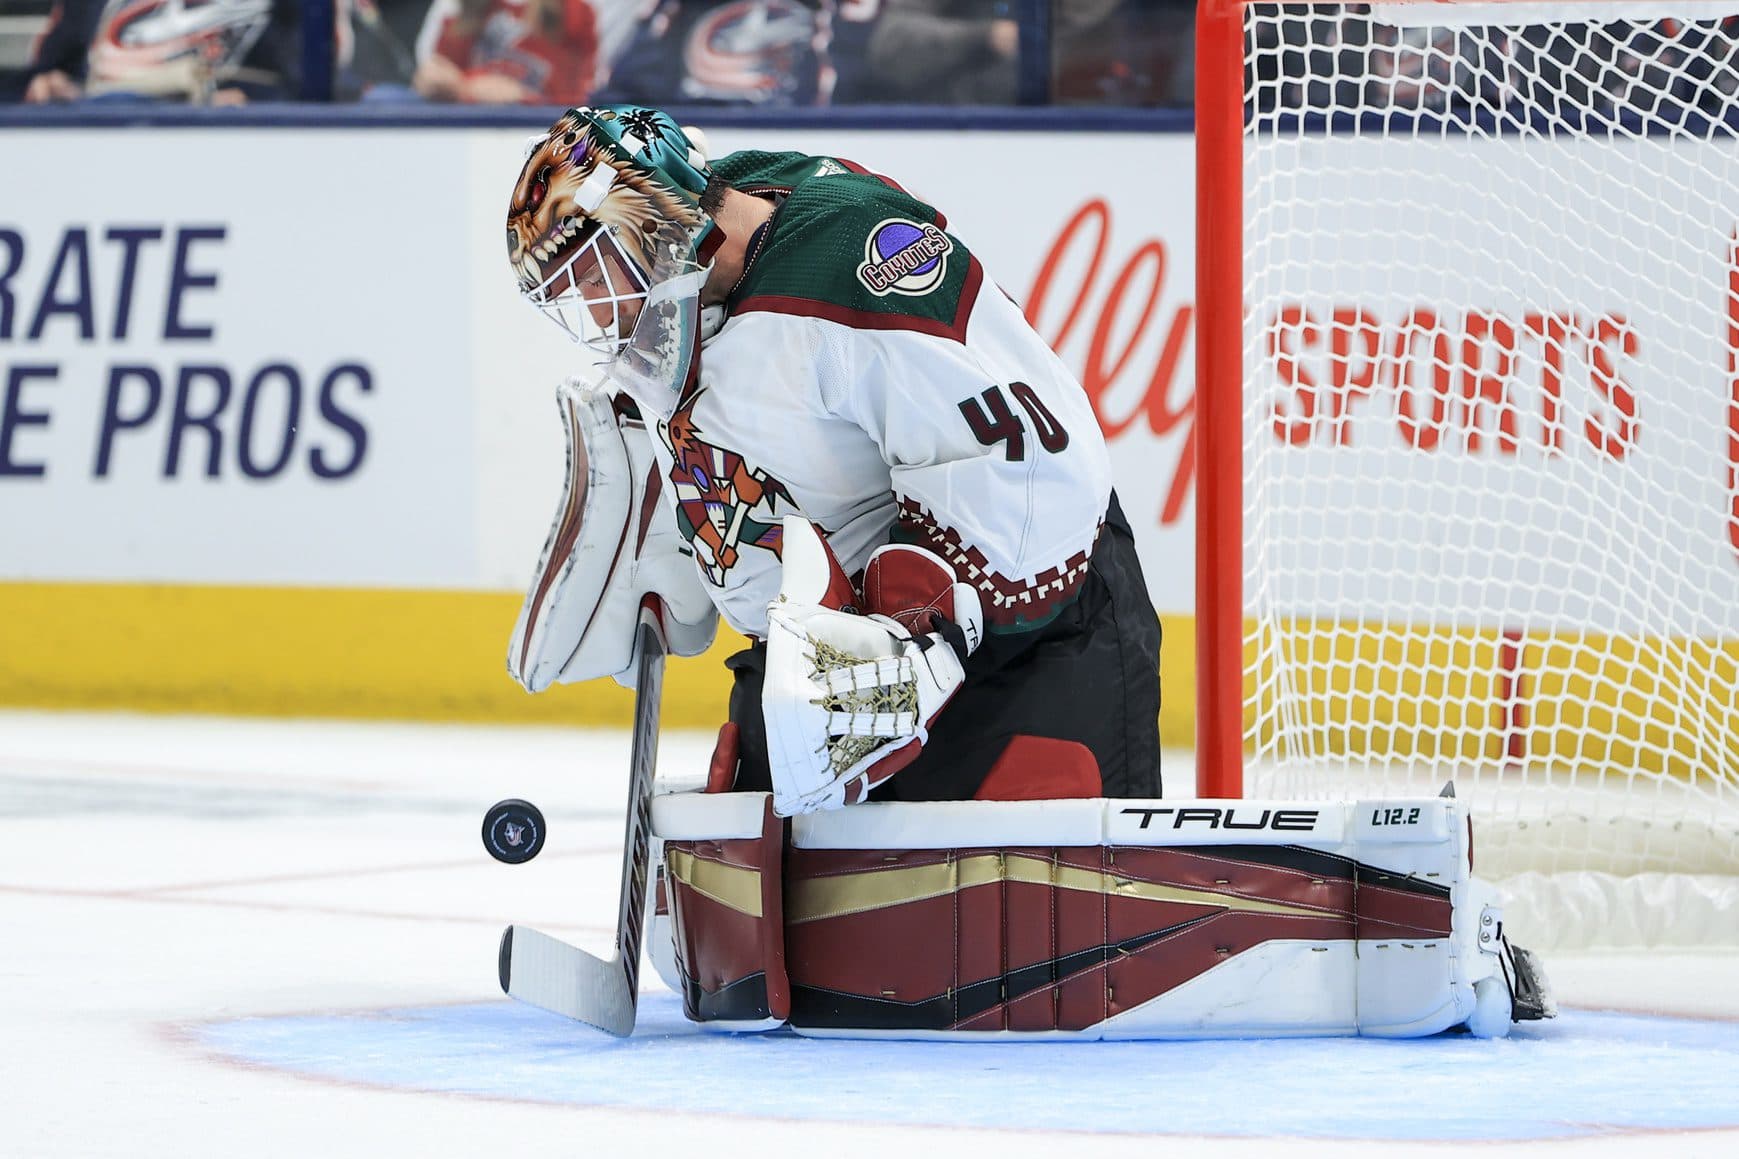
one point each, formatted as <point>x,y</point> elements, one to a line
<point>608,240</point>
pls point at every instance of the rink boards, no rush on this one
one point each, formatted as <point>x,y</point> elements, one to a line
<point>265,448</point>
<point>278,444</point>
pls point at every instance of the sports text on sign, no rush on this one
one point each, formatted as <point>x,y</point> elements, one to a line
<point>1455,381</point>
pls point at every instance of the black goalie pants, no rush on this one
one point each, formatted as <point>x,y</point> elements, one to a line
<point>1091,675</point>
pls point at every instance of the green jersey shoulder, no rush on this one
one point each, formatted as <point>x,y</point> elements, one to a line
<point>852,247</point>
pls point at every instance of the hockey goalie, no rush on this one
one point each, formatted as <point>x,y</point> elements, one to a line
<point>935,808</point>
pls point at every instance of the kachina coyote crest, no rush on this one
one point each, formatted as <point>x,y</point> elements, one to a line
<point>561,198</point>
<point>722,503</point>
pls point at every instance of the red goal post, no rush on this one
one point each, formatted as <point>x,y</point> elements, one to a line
<point>1468,418</point>
<point>1219,397</point>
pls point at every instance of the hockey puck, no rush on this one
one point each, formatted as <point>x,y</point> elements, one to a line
<point>513,831</point>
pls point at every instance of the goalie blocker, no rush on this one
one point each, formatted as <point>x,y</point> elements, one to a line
<point>1091,919</point>
<point>613,544</point>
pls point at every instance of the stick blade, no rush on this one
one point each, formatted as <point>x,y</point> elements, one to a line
<point>550,974</point>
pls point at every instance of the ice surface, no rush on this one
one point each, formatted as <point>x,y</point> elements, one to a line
<point>278,938</point>
<point>1608,1072</point>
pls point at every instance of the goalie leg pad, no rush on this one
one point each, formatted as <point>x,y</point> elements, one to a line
<point>721,773</point>
<point>723,874</point>
<point>660,930</point>
<point>1133,919</point>
<point>1042,768</point>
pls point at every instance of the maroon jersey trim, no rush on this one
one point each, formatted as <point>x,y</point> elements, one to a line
<point>874,320</point>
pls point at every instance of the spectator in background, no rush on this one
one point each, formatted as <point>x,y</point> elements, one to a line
<point>618,23</point>
<point>223,52</point>
<point>504,52</point>
<point>762,53</point>
<point>1417,69</point>
<point>1124,52</point>
<point>951,52</point>
<point>372,53</point>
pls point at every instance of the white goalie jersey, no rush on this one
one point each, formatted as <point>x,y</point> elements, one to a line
<point>870,377</point>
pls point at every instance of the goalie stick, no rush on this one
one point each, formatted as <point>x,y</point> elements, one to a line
<point>550,974</point>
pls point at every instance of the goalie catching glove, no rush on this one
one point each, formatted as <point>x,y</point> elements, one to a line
<point>849,697</point>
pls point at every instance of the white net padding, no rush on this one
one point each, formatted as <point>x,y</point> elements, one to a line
<point>1491,435</point>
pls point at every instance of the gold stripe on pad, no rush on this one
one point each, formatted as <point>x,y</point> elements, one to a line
<point>816,899</point>
<point>731,886</point>
<point>1038,872</point>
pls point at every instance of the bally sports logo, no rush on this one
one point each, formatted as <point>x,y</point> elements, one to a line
<point>903,257</point>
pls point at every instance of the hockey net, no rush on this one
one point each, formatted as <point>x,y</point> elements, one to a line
<point>1469,385</point>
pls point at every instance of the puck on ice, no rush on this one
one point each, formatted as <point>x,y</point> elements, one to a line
<point>513,831</point>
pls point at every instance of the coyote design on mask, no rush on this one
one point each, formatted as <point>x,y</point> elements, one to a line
<point>545,224</point>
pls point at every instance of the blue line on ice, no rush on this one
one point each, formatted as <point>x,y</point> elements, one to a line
<point>1588,1073</point>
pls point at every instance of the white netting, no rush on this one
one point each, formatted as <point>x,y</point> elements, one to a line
<point>1491,481</point>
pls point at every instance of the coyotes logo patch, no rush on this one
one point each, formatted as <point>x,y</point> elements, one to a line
<point>722,503</point>
<point>903,257</point>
